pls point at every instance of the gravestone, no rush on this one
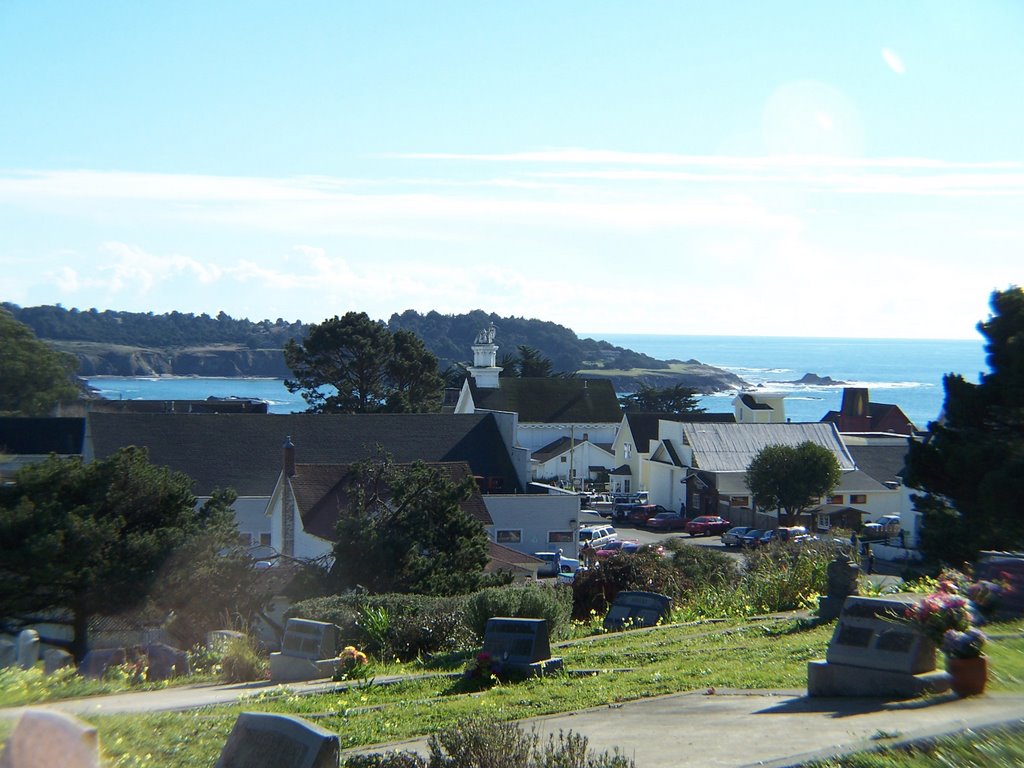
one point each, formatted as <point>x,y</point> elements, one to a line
<point>842,576</point>
<point>45,738</point>
<point>166,662</point>
<point>28,648</point>
<point>218,638</point>
<point>95,663</point>
<point>519,646</point>
<point>8,653</point>
<point>54,659</point>
<point>637,609</point>
<point>308,652</point>
<point>874,653</point>
<point>1008,567</point>
<point>262,740</point>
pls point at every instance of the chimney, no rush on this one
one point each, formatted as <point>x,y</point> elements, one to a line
<point>288,457</point>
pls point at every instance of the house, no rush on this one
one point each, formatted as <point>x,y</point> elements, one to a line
<point>756,407</point>
<point>706,463</point>
<point>858,414</point>
<point>547,409</point>
<point>637,437</point>
<point>242,451</point>
<point>568,459</point>
<point>533,522</point>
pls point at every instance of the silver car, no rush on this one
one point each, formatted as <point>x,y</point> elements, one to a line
<point>734,536</point>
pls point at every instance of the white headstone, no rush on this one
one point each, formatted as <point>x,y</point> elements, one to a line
<point>47,738</point>
<point>28,648</point>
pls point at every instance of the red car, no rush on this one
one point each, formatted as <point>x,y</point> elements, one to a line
<point>707,525</point>
<point>641,513</point>
<point>666,521</point>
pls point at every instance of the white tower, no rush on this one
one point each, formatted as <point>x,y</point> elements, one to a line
<point>485,356</point>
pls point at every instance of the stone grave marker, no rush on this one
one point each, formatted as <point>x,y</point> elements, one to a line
<point>520,646</point>
<point>873,653</point>
<point>263,740</point>
<point>308,652</point>
<point>96,662</point>
<point>45,738</point>
<point>637,609</point>
<point>54,659</point>
<point>28,648</point>
<point>8,653</point>
<point>166,662</point>
<point>842,582</point>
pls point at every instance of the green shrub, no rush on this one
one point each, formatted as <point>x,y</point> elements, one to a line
<point>418,625</point>
<point>536,601</point>
<point>242,660</point>
<point>701,566</point>
<point>595,589</point>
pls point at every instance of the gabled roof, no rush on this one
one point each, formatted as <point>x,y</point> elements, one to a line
<point>243,451</point>
<point>321,492</point>
<point>41,436</point>
<point>885,463</point>
<point>731,447</point>
<point>503,558</point>
<point>551,400</point>
<point>643,425</point>
<point>564,445</point>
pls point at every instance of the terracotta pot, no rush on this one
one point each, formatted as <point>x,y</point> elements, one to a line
<point>969,675</point>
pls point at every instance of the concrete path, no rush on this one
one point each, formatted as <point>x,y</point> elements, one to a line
<point>736,729</point>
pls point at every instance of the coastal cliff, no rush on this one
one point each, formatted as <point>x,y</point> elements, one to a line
<point>96,359</point>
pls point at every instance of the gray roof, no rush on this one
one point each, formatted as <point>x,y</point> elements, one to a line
<point>731,447</point>
<point>551,400</point>
<point>244,452</point>
<point>643,425</point>
<point>885,463</point>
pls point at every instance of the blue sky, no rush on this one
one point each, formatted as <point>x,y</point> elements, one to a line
<point>749,168</point>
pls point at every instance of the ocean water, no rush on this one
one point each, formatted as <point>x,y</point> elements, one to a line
<point>907,373</point>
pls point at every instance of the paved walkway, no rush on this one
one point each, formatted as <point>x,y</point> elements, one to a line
<point>731,728</point>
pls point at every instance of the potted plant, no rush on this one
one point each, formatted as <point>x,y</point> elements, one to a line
<point>966,663</point>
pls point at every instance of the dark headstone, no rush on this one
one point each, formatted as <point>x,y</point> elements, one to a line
<point>262,740</point>
<point>519,646</point>
<point>54,659</point>
<point>166,662</point>
<point>1008,567</point>
<point>8,653</point>
<point>309,639</point>
<point>842,582</point>
<point>637,609</point>
<point>96,662</point>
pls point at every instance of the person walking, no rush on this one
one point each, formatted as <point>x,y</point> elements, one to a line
<point>870,558</point>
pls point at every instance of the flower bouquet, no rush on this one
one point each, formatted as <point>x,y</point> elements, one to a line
<point>352,664</point>
<point>968,644</point>
<point>484,670</point>
<point>938,613</point>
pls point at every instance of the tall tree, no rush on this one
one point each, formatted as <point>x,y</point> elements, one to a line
<point>353,364</point>
<point>792,479</point>
<point>405,531</point>
<point>533,365</point>
<point>33,377</point>
<point>971,464</point>
<point>86,540</point>
<point>675,399</point>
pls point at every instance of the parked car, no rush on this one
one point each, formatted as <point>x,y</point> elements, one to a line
<point>751,538</point>
<point>666,521</point>
<point>641,513</point>
<point>568,574</point>
<point>785,533</point>
<point>734,536</point>
<point>707,525</point>
<point>597,535</point>
<point>548,569</point>
<point>617,546</point>
<point>601,503</point>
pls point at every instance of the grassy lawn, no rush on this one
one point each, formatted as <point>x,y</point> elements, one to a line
<point>626,666</point>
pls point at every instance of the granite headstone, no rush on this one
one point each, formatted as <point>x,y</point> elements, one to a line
<point>637,609</point>
<point>166,662</point>
<point>263,740</point>
<point>45,738</point>
<point>96,662</point>
<point>54,659</point>
<point>519,646</point>
<point>8,653</point>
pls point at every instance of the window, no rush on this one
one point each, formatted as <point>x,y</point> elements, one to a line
<point>509,537</point>
<point>739,501</point>
<point>245,539</point>
<point>625,486</point>
<point>265,539</point>
<point>559,537</point>
<point>564,459</point>
<point>824,522</point>
<point>627,450</point>
<point>836,499</point>
<point>858,498</point>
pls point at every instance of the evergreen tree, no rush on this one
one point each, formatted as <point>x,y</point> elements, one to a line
<point>971,464</point>
<point>33,377</point>
<point>674,399</point>
<point>83,540</point>
<point>352,364</point>
<point>405,531</point>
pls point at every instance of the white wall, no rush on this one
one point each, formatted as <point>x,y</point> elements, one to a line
<point>534,516</point>
<point>534,436</point>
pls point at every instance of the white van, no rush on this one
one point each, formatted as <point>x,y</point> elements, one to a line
<point>597,535</point>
